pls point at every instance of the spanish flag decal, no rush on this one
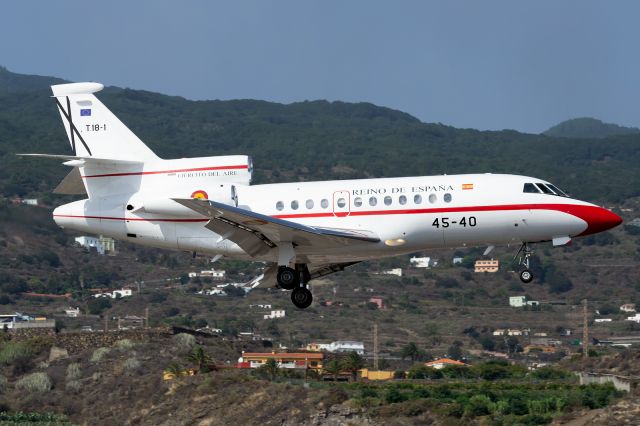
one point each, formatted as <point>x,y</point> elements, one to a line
<point>200,195</point>
<point>467,186</point>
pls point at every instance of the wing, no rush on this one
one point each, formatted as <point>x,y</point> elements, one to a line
<point>256,233</point>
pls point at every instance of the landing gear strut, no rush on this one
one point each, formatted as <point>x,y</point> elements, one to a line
<point>522,258</point>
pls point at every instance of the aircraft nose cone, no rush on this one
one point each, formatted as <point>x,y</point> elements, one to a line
<point>600,220</point>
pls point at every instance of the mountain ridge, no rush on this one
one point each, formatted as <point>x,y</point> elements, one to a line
<point>588,127</point>
<point>312,140</point>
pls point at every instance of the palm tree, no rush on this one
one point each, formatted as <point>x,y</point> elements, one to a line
<point>333,368</point>
<point>199,357</point>
<point>353,363</point>
<point>271,368</point>
<point>410,350</point>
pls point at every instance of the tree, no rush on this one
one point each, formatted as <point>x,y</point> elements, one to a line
<point>455,352</point>
<point>411,350</point>
<point>487,342</point>
<point>333,368</point>
<point>353,363</point>
<point>271,368</point>
<point>200,358</point>
<point>97,305</point>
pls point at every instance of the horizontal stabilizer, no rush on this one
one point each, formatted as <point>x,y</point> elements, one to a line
<point>80,159</point>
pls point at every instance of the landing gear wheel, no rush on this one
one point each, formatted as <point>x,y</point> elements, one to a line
<point>301,297</point>
<point>526,276</point>
<point>287,278</point>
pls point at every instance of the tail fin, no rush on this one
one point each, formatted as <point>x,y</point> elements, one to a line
<point>92,129</point>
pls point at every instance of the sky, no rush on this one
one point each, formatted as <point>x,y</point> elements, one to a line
<point>470,64</point>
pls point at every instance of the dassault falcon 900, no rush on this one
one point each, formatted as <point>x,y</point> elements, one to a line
<point>304,230</point>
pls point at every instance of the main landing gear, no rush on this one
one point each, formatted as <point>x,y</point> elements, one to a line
<point>296,280</point>
<point>522,258</point>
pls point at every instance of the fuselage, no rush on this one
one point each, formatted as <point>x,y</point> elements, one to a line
<point>408,214</point>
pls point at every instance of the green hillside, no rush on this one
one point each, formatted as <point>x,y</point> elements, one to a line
<point>308,140</point>
<point>588,128</point>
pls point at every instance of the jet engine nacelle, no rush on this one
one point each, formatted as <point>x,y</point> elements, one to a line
<point>164,204</point>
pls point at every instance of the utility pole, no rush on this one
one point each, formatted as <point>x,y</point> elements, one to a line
<point>146,317</point>
<point>585,330</point>
<point>375,346</point>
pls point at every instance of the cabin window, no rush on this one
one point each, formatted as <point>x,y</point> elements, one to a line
<point>373,201</point>
<point>341,202</point>
<point>433,198</point>
<point>279,205</point>
<point>324,203</point>
<point>357,201</point>
<point>387,200</point>
<point>447,198</point>
<point>309,204</point>
<point>530,188</point>
<point>544,188</point>
<point>294,204</point>
<point>417,199</point>
<point>402,200</point>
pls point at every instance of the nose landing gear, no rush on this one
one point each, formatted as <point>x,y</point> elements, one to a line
<point>522,259</point>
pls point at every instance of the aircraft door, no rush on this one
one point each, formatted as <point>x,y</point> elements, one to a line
<point>341,203</point>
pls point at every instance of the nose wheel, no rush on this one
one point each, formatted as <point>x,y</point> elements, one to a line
<point>522,259</point>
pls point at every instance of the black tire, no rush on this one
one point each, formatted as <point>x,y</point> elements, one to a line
<point>288,278</point>
<point>301,297</point>
<point>526,276</point>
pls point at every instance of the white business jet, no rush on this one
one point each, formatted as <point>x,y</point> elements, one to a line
<point>304,229</point>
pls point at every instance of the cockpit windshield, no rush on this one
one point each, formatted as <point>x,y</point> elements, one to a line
<point>543,188</point>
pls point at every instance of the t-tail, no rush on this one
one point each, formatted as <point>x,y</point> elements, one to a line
<point>92,129</point>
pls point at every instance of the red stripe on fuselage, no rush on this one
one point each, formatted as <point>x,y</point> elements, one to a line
<point>159,172</point>
<point>565,208</point>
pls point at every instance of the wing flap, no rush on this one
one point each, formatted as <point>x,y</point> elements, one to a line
<point>250,228</point>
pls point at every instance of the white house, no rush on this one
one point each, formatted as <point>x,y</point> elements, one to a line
<point>213,292</point>
<point>260,306</point>
<point>395,271</point>
<point>30,201</point>
<point>420,262</point>
<point>278,313</point>
<point>89,243</point>
<point>218,275</point>
<point>517,301</point>
<point>101,244</point>
<point>72,312</point>
<point>123,292</point>
<point>457,260</point>
<point>343,346</point>
<point>628,307</point>
<point>635,318</point>
<point>603,319</point>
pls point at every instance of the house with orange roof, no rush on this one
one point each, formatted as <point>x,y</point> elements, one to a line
<point>304,360</point>
<point>443,362</point>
